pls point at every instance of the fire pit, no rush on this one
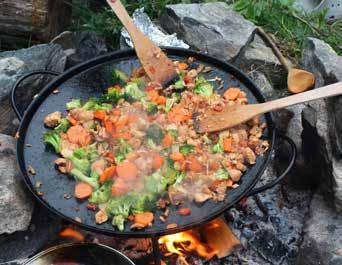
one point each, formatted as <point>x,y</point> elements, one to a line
<point>82,80</point>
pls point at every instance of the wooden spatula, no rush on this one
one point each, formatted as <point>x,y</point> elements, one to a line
<point>230,116</point>
<point>157,66</point>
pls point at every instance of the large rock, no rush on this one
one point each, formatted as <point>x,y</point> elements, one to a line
<point>15,204</point>
<point>14,63</point>
<point>80,46</point>
<point>322,236</point>
<point>322,135</point>
<point>211,27</point>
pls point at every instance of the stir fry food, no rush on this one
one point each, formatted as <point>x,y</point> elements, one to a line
<point>135,148</point>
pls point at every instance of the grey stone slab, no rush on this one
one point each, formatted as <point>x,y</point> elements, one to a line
<point>210,27</point>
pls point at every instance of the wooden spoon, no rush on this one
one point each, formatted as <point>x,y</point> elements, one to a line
<point>230,116</point>
<point>298,80</point>
<point>157,66</point>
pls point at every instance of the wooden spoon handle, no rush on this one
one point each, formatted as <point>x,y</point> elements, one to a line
<point>121,12</point>
<point>318,93</point>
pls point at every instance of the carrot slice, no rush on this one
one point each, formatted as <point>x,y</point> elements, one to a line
<point>145,218</point>
<point>214,166</point>
<point>152,94</point>
<point>227,144</point>
<point>120,187</point>
<point>127,170</point>
<point>182,66</point>
<point>194,164</point>
<point>158,161</point>
<point>232,93</point>
<point>107,174</point>
<point>100,115</point>
<point>83,190</point>
<point>177,156</point>
<point>161,100</point>
<point>110,127</point>
<point>167,141</point>
<point>116,112</point>
<point>122,122</point>
<point>72,120</point>
<point>78,135</point>
<point>71,233</point>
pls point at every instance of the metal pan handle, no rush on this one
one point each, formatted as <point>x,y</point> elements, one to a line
<point>293,153</point>
<point>19,81</point>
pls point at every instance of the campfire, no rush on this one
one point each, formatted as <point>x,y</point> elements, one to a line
<point>208,241</point>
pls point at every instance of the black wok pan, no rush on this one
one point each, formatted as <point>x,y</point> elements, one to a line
<point>91,79</point>
<point>79,254</point>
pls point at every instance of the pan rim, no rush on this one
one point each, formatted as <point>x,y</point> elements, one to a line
<point>122,55</point>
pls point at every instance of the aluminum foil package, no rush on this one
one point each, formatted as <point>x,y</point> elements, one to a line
<point>144,23</point>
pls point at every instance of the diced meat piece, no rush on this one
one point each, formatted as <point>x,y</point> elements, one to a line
<point>67,148</point>
<point>249,156</point>
<point>53,119</point>
<point>101,217</point>
<point>102,135</point>
<point>170,226</point>
<point>235,174</point>
<point>99,166</point>
<point>82,116</point>
<point>64,165</point>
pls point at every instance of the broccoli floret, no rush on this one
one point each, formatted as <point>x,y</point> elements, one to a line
<point>170,175</point>
<point>119,77</point>
<point>173,132</point>
<point>180,176</point>
<point>123,150</point>
<point>175,98</point>
<point>52,138</point>
<point>79,162</point>
<point>218,148</point>
<point>151,108</point>
<point>222,174</point>
<point>90,104</point>
<point>73,104</point>
<point>186,149</point>
<point>155,184</point>
<point>179,83</point>
<point>119,222</point>
<point>142,202</point>
<point>120,208</point>
<point>203,87</point>
<point>80,176</point>
<point>155,133</point>
<point>133,92</point>
<point>102,194</point>
<point>103,106</point>
<point>63,126</point>
<point>112,96</point>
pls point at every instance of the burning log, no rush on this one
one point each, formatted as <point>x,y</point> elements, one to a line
<point>219,236</point>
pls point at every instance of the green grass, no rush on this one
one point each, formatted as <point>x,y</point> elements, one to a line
<point>287,23</point>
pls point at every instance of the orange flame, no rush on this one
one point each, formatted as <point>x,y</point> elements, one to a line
<point>186,242</point>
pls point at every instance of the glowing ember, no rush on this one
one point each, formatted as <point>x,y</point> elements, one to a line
<point>187,242</point>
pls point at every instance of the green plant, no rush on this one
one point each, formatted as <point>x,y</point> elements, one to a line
<point>290,24</point>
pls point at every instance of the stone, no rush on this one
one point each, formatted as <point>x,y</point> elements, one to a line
<point>14,63</point>
<point>257,55</point>
<point>322,235</point>
<point>15,205</point>
<point>80,46</point>
<point>212,28</point>
<point>323,121</point>
<point>319,58</point>
<point>263,84</point>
